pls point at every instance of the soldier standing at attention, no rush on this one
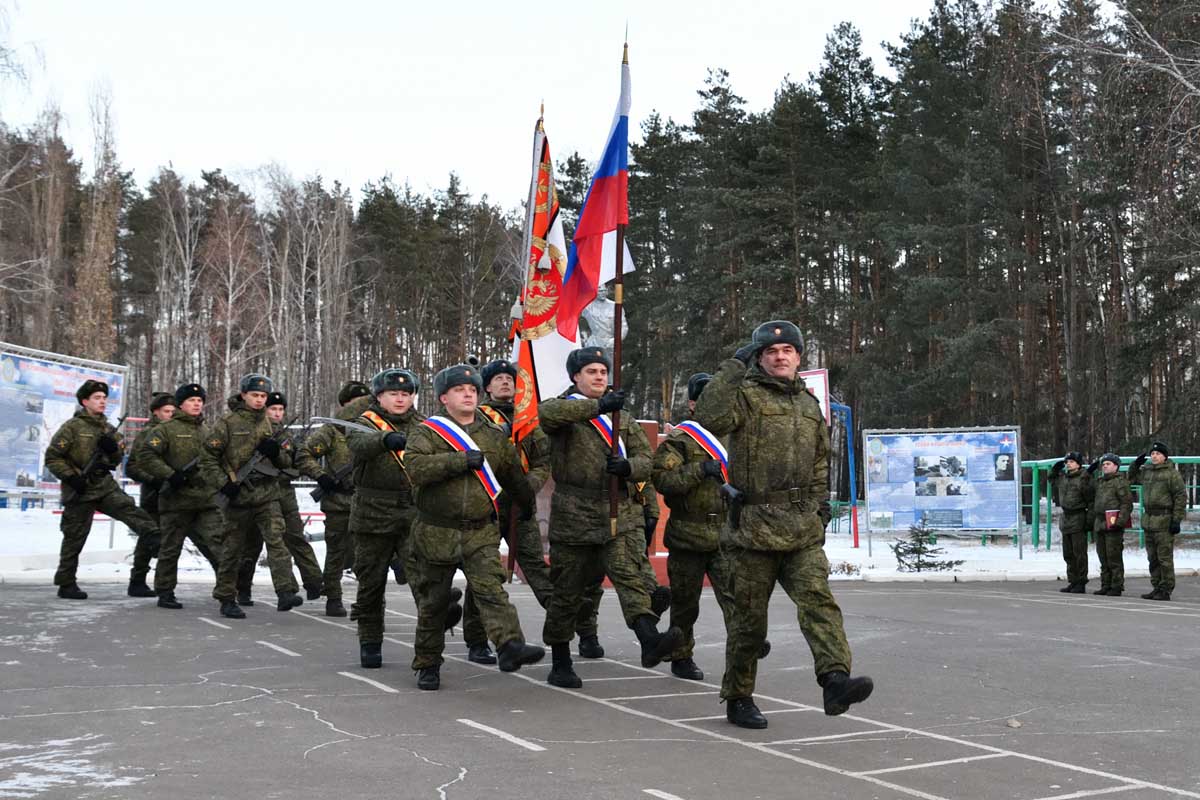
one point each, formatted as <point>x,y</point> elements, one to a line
<point>162,408</point>
<point>254,503</point>
<point>460,462</point>
<point>1164,500</point>
<point>779,465</point>
<point>581,535</point>
<point>1112,495</point>
<point>170,456</point>
<point>325,458</point>
<point>1073,484</point>
<point>82,454</point>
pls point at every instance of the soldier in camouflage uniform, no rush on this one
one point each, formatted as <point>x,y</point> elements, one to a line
<point>1164,504</point>
<point>581,533</point>
<point>778,447</point>
<point>86,434</point>
<point>254,503</point>
<point>1112,494</point>
<point>162,408</point>
<point>325,458</point>
<point>170,457</point>
<point>454,461</point>
<point>311,576</point>
<point>1073,485</point>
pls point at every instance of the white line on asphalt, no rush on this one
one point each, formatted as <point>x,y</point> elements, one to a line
<point>657,696</point>
<point>627,678</point>
<point>276,647</point>
<point>926,764</point>
<point>1094,792</point>
<point>215,624</point>
<point>508,737</point>
<point>769,711</point>
<point>400,614</point>
<point>376,684</point>
<point>1130,605</point>
<point>661,795</point>
<point>832,736</point>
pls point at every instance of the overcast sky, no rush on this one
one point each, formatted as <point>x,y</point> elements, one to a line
<point>356,90</point>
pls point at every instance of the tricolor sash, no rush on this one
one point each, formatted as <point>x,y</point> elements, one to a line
<point>708,443</point>
<point>603,426</point>
<point>461,441</point>
<point>385,426</point>
<point>501,420</point>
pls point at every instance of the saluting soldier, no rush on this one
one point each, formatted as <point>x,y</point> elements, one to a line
<point>460,462</point>
<point>253,508</point>
<point>171,458</point>
<point>82,454</point>
<point>1073,485</point>
<point>1111,509</point>
<point>1164,504</point>
<point>581,535</point>
<point>162,408</point>
<point>778,447</point>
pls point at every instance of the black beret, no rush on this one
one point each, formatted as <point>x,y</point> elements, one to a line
<point>455,376</point>
<point>276,399</point>
<point>162,399</point>
<point>499,367</point>
<point>189,390</point>
<point>578,359</point>
<point>89,388</point>
<point>1160,447</point>
<point>351,390</point>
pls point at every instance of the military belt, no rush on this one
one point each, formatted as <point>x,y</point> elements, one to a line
<point>595,494</point>
<point>697,517</point>
<point>795,494</point>
<point>456,524</point>
<point>1158,510</point>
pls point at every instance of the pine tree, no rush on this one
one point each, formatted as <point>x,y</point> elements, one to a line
<point>917,553</point>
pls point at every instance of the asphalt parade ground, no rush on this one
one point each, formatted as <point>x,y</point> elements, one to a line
<point>984,691</point>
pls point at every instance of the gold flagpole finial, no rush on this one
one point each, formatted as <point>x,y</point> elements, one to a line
<point>541,116</point>
<point>625,54</point>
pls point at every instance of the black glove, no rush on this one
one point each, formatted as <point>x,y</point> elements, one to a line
<point>269,448</point>
<point>395,441</point>
<point>712,469</point>
<point>1058,467</point>
<point>1092,467</point>
<point>474,459</point>
<point>108,445</point>
<point>618,466</point>
<point>328,484</point>
<point>613,401</point>
<point>1141,459</point>
<point>177,480</point>
<point>1174,527</point>
<point>745,353</point>
<point>76,482</point>
<point>651,527</point>
<point>231,489</point>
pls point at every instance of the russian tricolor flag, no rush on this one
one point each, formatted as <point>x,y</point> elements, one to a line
<point>593,256</point>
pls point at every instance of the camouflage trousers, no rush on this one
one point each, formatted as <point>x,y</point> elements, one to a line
<point>298,548</point>
<point>589,610</point>
<point>373,556</point>
<point>202,527</point>
<point>1110,546</point>
<point>76,524</point>
<point>1160,548</point>
<point>804,575</point>
<point>337,542</point>
<point>145,549</point>
<point>686,570</point>
<point>578,569</point>
<point>532,560</point>
<point>241,524</point>
<point>1075,554</point>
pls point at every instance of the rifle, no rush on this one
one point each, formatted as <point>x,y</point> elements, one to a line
<point>94,461</point>
<point>339,475</point>
<point>187,470</point>
<point>254,464</point>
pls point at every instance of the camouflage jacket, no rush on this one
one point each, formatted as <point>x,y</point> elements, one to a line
<point>287,456</point>
<point>1112,494</point>
<point>697,511</point>
<point>382,489</point>
<point>451,501</point>
<point>171,446</point>
<point>1075,495</point>
<point>72,446</point>
<point>328,445</point>
<point>778,455</point>
<point>535,446</point>
<point>231,442</point>
<point>133,469</point>
<point>578,456</point>
<point>1164,497</point>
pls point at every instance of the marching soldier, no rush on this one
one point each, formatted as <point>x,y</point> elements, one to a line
<point>325,458</point>
<point>311,576</point>
<point>779,463</point>
<point>162,408</point>
<point>1164,503</point>
<point>1111,509</point>
<point>82,454</point>
<point>460,461</point>
<point>1073,485</point>
<point>171,457</point>
<point>253,508</point>
<point>581,534</point>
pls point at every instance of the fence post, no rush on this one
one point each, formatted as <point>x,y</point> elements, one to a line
<point>1037,506</point>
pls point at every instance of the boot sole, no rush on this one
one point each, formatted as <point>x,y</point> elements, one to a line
<point>753,726</point>
<point>335,613</point>
<point>668,643</point>
<point>857,696</point>
<point>522,662</point>
<point>372,663</point>
<point>487,661</point>
<point>564,683</point>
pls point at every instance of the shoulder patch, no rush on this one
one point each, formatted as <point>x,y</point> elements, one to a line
<point>155,442</point>
<point>214,442</point>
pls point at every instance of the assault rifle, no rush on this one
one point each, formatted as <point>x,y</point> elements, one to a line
<point>187,470</point>
<point>97,454</point>
<point>339,475</point>
<point>256,464</point>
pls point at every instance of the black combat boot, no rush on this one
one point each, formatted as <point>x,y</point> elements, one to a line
<point>686,668</point>
<point>660,599</point>
<point>334,607</point>
<point>1070,587</point>
<point>312,592</point>
<point>1114,592</point>
<point>1147,596</point>
<point>288,601</point>
<point>655,646</point>
<point>429,679</point>
<point>71,591</point>
<point>140,589</point>
<point>167,600</point>
<point>453,616</point>
<point>456,594</point>
<point>590,647</point>
<point>398,571</point>
<point>243,599</point>
<point>1101,590</point>
<point>370,655</point>
<point>765,650</point>
<point>742,712</point>
<point>515,654</point>
<point>232,610</point>
<point>480,654</point>
<point>842,691</point>
<point>1161,594</point>
<point>561,672</point>
<point>1078,588</point>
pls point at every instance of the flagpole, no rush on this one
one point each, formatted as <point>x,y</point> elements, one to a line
<point>618,300</point>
